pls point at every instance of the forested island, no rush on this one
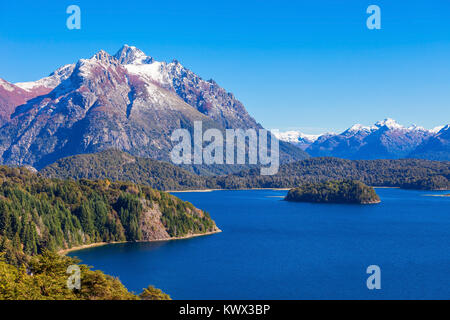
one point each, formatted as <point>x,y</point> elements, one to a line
<point>120,166</point>
<point>41,216</point>
<point>347,191</point>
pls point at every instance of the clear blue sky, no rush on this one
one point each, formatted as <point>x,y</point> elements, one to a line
<point>311,65</point>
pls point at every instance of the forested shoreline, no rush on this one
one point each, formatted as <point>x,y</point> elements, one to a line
<point>120,166</point>
<point>41,216</point>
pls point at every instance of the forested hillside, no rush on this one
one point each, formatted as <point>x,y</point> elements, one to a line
<point>121,166</point>
<point>116,165</point>
<point>403,173</point>
<point>45,278</point>
<point>38,213</point>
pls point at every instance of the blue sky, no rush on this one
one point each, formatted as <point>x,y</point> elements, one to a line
<point>310,65</point>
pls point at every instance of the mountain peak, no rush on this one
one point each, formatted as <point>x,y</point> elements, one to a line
<point>132,55</point>
<point>359,127</point>
<point>389,123</point>
<point>102,55</point>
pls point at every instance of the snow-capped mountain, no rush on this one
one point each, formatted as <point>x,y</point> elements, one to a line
<point>386,139</point>
<point>388,123</point>
<point>437,147</point>
<point>127,101</point>
<point>206,96</point>
<point>297,138</point>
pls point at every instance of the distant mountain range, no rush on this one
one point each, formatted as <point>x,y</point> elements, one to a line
<point>384,140</point>
<point>127,101</point>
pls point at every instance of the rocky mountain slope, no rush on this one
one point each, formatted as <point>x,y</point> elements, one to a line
<point>13,95</point>
<point>128,101</point>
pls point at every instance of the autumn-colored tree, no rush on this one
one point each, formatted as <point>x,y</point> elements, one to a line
<point>152,293</point>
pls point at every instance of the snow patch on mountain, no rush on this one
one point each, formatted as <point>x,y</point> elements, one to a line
<point>389,123</point>
<point>437,129</point>
<point>6,85</point>
<point>50,82</point>
<point>359,127</point>
<point>444,129</point>
<point>415,127</point>
<point>296,136</point>
<point>150,72</point>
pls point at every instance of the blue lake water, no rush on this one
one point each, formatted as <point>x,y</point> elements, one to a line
<point>273,249</point>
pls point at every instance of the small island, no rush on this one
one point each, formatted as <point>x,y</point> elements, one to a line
<point>347,191</point>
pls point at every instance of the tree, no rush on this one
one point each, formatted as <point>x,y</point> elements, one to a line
<point>152,293</point>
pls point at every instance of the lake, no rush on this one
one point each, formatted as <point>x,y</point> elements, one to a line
<point>273,249</point>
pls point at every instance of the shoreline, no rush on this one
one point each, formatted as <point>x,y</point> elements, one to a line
<point>249,189</point>
<point>100,244</point>
<point>211,190</point>
<point>282,189</point>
